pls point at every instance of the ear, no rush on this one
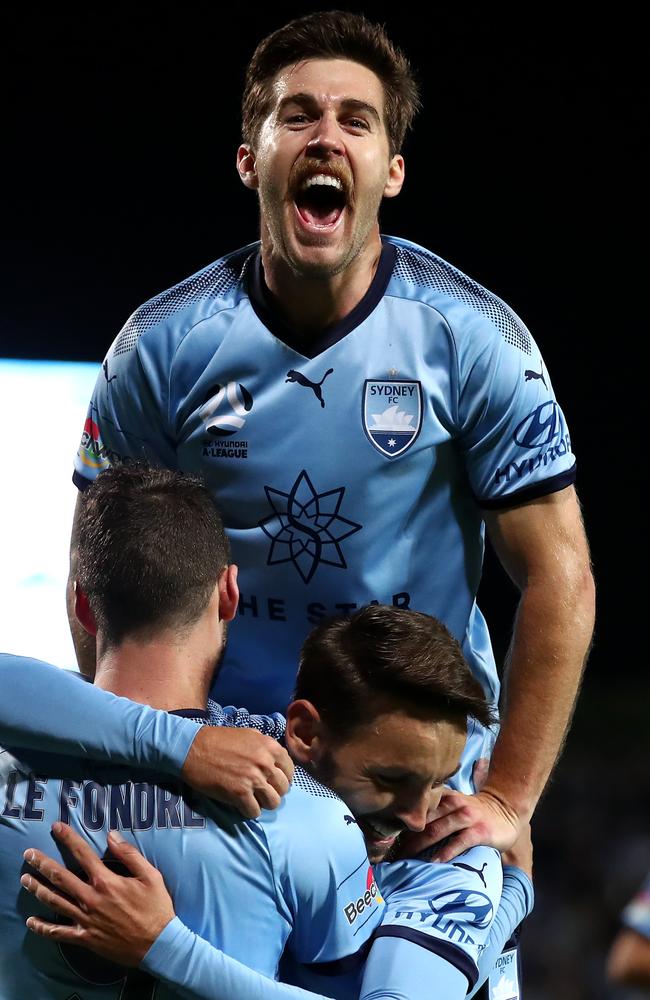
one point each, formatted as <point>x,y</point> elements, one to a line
<point>304,731</point>
<point>396,173</point>
<point>246,167</point>
<point>228,593</point>
<point>83,611</point>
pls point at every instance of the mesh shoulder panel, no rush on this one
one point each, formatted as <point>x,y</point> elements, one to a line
<point>213,282</point>
<point>429,271</point>
<point>308,784</point>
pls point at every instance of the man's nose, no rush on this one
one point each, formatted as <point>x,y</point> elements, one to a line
<point>412,811</point>
<point>327,138</point>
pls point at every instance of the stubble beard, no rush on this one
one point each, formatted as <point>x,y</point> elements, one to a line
<point>273,222</point>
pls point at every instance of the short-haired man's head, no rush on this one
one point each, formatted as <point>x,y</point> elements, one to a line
<point>151,548</point>
<point>351,667</point>
<point>332,34</point>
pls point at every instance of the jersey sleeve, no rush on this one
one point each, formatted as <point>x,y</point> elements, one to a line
<point>46,708</point>
<point>517,900</point>
<point>512,433</point>
<point>196,969</point>
<point>399,969</point>
<point>445,909</point>
<point>636,914</point>
<point>128,417</point>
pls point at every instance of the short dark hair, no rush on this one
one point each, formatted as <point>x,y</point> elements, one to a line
<point>151,546</point>
<point>388,655</point>
<point>331,34</point>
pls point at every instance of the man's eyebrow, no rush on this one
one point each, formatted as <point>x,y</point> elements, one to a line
<point>352,104</point>
<point>347,104</point>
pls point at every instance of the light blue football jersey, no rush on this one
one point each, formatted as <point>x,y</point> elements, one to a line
<point>351,467</point>
<point>298,877</point>
<point>446,909</point>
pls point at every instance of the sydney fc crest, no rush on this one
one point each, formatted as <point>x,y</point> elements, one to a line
<point>392,414</point>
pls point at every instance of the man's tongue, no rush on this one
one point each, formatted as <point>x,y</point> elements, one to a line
<point>319,215</point>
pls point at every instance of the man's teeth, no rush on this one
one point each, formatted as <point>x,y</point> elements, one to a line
<point>323,179</point>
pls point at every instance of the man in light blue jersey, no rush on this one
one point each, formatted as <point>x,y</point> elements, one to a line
<point>152,589</point>
<point>157,590</point>
<point>628,961</point>
<point>362,410</point>
<point>379,678</point>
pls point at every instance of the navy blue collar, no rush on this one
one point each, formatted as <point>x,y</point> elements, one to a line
<point>191,713</point>
<point>311,346</point>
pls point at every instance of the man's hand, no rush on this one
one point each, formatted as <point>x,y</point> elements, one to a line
<point>521,853</point>
<point>468,821</point>
<point>115,916</point>
<point>240,767</point>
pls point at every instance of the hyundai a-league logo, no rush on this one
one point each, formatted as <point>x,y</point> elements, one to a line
<point>226,408</point>
<point>306,528</point>
<point>392,414</point>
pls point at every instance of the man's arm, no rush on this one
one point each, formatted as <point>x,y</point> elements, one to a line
<point>45,708</point>
<point>542,546</point>
<point>131,921</point>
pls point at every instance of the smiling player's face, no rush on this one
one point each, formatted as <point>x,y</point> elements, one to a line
<point>322,165</point>
<point>391,773</point>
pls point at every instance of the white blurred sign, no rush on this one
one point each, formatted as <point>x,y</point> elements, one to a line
<point>42,412</point>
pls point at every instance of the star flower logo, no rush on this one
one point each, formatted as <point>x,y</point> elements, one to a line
<point>306,528</point>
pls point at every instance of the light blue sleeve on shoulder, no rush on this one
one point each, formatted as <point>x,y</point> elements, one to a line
<point>196,969</point>
<point>322,874</point>
<point>400,969</point>
<point>128,416</point>
<point>445,909</point>
<point>517,900</point>
<point>46,708</point>
<point>512,432</point>
<point>636,914</point>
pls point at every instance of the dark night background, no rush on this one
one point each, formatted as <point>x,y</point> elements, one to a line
<point>524,169</point>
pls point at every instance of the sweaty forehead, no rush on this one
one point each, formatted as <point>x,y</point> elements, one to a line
<point>398,740</point>
<point>330,81</point>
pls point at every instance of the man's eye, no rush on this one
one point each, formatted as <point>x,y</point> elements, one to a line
<point>297,119</point>
<point>386,779</point>
<point>357,123</point>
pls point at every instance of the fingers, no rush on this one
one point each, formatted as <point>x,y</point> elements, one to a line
<point>284,764</point>
<point>242,767</point>
<point>279,781</point>
<point>58,876</point>
<point>457,845</point>
<point>247,805</point>
<point>449,803</point>
<point>268,798</point>
<point>79,848</point>
<point>57,932</point>
<point>130,856</point>
<point>54,900</point>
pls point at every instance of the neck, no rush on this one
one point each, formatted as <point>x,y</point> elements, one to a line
<point>166,672</point>
<point>310,301</point>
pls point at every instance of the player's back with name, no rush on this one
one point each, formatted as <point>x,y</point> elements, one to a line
<point>246,886</point>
